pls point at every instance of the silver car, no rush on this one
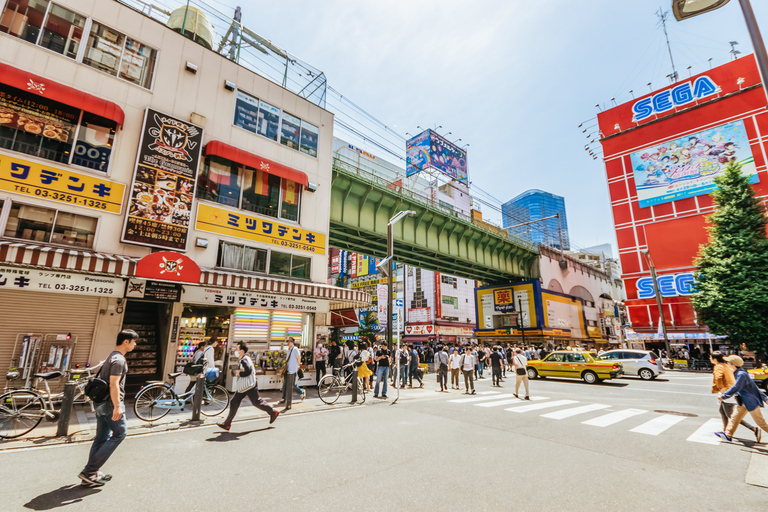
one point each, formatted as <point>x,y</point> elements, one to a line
<point>643,363</point>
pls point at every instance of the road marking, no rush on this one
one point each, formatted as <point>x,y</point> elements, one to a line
<point>613,417</point>
<point>658,425</point>
<point>545,405</point>
<point>706,433</point>
<point>511,401</point>
<point>567,413</point>
<point>488,392</point>
<point>479,398</point>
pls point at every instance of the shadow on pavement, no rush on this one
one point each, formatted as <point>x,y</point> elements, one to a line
<point>234,436</point>
<point>63,496</point>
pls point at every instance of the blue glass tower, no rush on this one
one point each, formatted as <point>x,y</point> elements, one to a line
<point>532,205</point>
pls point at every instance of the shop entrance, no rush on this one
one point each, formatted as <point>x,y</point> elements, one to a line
<point>200,324</point>
<point>150,320</point>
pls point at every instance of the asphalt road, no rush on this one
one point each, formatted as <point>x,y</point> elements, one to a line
<point>635,452</point>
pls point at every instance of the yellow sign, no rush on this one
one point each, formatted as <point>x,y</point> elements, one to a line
<point>497,332</point>
<point>594,332</point>
<point>374,282</point>
<point>236,223</point>
<point>60,185</point>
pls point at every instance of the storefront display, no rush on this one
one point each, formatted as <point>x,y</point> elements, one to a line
<point>207,323</point>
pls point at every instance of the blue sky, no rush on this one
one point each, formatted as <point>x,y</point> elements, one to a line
<point>513,78</point>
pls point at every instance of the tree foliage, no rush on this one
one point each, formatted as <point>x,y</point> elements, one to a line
<point>732,268</point>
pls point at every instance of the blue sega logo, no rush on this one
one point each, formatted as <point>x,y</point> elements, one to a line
<point>675,97</point>
<point>672,285</point>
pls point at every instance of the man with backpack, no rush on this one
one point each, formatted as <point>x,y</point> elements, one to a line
<point>413,368</point>
<point>403,360</point>
<point>441,365</point>
<point>110,411</point>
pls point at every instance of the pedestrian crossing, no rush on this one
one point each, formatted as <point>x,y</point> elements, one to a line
<point>652,423</point>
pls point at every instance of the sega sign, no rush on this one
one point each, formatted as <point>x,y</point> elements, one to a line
<point>672,285</point>
<point>678,96</point>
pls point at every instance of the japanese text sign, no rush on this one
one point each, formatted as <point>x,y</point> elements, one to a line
<point>503,300</point>
<point>60,185</point>
<point>60,282</point>
<point>228,222</point>
<point>248,299</point>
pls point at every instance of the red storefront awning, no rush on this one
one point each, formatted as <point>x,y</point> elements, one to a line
<point>224,150</point>
<point>344,318</point>
<point>47,88</point>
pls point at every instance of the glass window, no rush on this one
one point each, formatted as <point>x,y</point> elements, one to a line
<point>94,142</point>
<point>254,260</point>
<point>246,111</point>
<point>261,192</point>
<point>71,229</point>
<point>289,131</point>
<point>300,267</point>
<point>610,356</point>
<point>269,120</point>
<point>24,19</point>
<point>219,182</point>
<point>105,46</point>
<point>230,255</point>
<point>30,223</point>
<point>63,31</point>
<point>280,264</point>
<point>554,358</point>
<point>138,64</point>
<point>309,138</point>
<point>576,358</point>
<point>289,208</point>
<point>242,257</point>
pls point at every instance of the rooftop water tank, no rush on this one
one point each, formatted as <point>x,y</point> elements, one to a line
<point>196,25</point>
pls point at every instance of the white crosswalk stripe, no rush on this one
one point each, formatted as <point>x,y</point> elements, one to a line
<point>567,413</point>
<point>507,402</point>
<point>613,417</point>
<point>706,433</point>
<point>658,425</point>
<point>479,398</point>
<point>544,405</point>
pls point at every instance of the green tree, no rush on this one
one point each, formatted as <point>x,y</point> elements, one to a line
<point>732,269</point>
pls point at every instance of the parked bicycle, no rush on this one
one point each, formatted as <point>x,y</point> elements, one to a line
<point>22,410</point>
<point>331,387</point>
<point>156,400</point>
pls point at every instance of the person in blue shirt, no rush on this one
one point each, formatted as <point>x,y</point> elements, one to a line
<point>751,399</point>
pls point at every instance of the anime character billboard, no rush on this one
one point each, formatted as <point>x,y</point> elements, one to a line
<point>429,149</point>
<point>686,167</point>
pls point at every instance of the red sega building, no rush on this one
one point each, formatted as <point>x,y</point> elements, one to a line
<point>661,152</point>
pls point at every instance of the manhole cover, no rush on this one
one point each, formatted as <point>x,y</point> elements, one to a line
<point>686,414</point>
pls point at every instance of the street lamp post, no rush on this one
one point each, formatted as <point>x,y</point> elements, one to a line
<point>659,305</point>
<point>386,268</point>
<point>684,9</point>
<point>522,321</point>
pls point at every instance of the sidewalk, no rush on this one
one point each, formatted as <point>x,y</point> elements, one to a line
<point>82,426</point>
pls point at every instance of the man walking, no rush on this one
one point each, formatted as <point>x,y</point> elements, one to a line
<point>110,414</point>
<point>382,372</point>
<point>455,369</point>
<point>321,356</point>
<point>291,368</point>
<point>496,362</point>
<point>441,364</point>
<point>520,363</point>
<point>467,365</point>
<point>413,369</point>
<point>403,361</point>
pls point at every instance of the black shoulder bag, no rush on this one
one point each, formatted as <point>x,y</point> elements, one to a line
<point>97,389</point>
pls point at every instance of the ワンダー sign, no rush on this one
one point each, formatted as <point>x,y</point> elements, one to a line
<point>163,186</point>
<point>60,185</point>
<point>25,279</point>
<point>248,299</point>
<point>227,222</point>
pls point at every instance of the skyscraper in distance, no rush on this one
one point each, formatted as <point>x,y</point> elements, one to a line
<point>536,204</point>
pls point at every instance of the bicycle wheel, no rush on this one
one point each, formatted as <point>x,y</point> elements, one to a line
<point>360,392</point>
<point>215,400</point>
<point>20,412</point>
<point>329,389</point>
<point>144,406</point>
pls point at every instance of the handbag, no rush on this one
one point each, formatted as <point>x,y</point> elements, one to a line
<point>97,390</point>
<point>300,373</point>
<point>193,368</point>
<point>245,384</point>
<point>211,374</point>
<point>519,371</point>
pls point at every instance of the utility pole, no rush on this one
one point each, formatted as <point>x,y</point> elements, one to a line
<point>520,315</point>
<point>663,18</point>
<point>663,324</point>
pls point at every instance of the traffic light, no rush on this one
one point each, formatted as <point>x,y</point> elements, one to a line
<point>385,266</point>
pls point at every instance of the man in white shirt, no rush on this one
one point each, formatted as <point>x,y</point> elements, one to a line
<point>455,368</point>
<point>521,372</point>
<point>467,364</point>
<point>321,356</point>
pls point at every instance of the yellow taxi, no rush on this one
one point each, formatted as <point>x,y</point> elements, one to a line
<point>760,376</point>
<point>573,364</point>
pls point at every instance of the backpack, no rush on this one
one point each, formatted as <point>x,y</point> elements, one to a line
<point>97,389</point>
<point>403,358</point>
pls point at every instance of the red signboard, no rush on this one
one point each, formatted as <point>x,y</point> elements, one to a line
<point>168,266</point>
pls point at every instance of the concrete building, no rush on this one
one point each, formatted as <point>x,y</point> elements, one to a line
<point>148,182</point>
<point>534,205</point>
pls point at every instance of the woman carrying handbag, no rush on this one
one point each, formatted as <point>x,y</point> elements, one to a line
<point>245,386</point>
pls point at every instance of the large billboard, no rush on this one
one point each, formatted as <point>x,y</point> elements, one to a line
<point>686,167</point>
<point>430,150</point>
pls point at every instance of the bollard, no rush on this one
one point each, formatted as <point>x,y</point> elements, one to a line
<point>66,408</point>
<point>197,399</point>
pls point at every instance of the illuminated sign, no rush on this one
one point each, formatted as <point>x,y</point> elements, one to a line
<point>671,285</point>
<point>678,96</point>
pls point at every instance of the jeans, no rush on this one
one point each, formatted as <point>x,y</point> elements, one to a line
<point>442,378</point>
<point>403,376</point>
<point>319,370</point>
<point>105,444</point>
<point>382,375</point>
<point>480,367</point>
<point>290,383</point>
<point>468,382</point>
<point>726,411</point>
<point>256,400</point>
<point>413,371</point>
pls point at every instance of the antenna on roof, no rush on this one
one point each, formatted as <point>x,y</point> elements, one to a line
<point>663,19</point>
<point>734,51</point>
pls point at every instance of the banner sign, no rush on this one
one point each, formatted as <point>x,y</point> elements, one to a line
<point>687,167</point>
<point>164,182</point>
<point>419,329</point>
<point>670,285</point>
<point>153,290</point>
<point>236,223</point>
<point>419,315</point>
<point>430,150</point>
<point>381,296</point>
<point>248,299</point>
<point>503,300</point>
<point>12,278</point>
<point>60,185</point>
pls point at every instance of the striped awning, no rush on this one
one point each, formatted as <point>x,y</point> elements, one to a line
<point>72,260</point>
